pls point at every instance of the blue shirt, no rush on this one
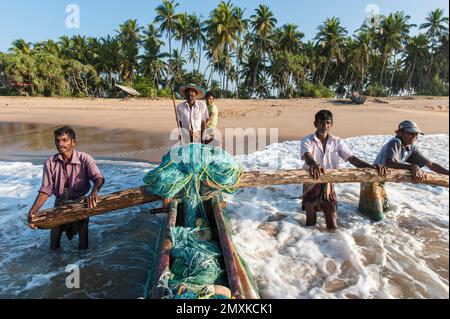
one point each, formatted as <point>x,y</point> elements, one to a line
<point>395,150</point>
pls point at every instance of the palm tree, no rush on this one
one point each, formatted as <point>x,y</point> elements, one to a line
<point>288,43</point>
<point>330,38</point>
<point>176,63</point>
<point>416,57</point>
<point>65,46</point>
<point>224,36</point>
<point>405,27</point>
<point>93,45</point>
<point>196,35</point>
<point>279,72</point>
<point>49,46</point>
<point>387,40</point>
<point>108,59</point>
<point>152,61</point>
<point>251,57</point>
<point>443,52</point>
<point>129,37</point>
<point>394,32</point>
<point>312,60</point>
<point>344,74</point>
<point>241,29</point>
<point>263,23</point>
<point>79,48</point>
<point>252,71</point>
<point>437,26</point>
<point>192,57</point>
<point>168,19</point>
<point>289,38</point>
<point>21,46</point>
<point>362,52</point>
<point>182,31</point>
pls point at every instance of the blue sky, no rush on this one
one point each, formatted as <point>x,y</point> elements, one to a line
<point>35,20</point>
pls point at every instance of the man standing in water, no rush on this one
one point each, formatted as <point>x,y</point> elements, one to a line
<point>321,151</point>
<point>67,175</point>
<point>192,114</point>
<point>398,153</point>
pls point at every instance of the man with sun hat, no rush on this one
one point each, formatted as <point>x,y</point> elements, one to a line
<point>192,114</point>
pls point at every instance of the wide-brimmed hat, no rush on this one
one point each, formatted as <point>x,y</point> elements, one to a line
<point>200,92</point>
<point>410,126</point>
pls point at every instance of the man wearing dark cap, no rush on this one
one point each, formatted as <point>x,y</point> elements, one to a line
<point>192,114</point>
<point>398,153</point>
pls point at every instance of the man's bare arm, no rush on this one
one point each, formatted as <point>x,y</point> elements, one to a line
<point>92,199</point>
<point>40,200</point>
<point>382,170</point>
<point>437,168</point>
<point>314,168</point>
<point>417,174</point>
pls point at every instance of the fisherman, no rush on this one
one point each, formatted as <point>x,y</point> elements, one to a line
<point>322,151</point>
<point>192,114</point>
<point>67,175</point>
<point>398,153</point>
<point>211,125</point>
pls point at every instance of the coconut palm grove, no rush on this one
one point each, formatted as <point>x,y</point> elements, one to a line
<point>236,53</point>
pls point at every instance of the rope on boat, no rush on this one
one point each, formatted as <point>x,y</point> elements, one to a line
<point>185,168</point>
<point>195,263</point>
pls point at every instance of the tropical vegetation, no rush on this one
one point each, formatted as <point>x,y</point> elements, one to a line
<point>236,56</point>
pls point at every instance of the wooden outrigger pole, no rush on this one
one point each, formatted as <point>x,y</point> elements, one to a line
<point>180,131</point>
<point>137,196</point>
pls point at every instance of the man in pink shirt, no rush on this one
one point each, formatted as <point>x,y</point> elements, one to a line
<point>322,151</point>
<point>67,175</point>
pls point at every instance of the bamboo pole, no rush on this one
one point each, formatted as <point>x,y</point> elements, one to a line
<point>137,196</point>
<point>180,131</point>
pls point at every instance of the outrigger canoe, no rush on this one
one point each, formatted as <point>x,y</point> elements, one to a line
<point>238,276</point>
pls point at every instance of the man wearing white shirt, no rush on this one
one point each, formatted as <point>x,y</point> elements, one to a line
<point>192,114</point>
<point>321,151</point>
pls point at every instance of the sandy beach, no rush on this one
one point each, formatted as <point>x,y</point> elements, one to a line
<point>140,128</point>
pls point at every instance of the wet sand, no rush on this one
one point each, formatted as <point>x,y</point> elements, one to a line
<point>139,129</point>
<point>33,142</point>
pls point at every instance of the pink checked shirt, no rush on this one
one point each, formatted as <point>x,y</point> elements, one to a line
<point>80,171</point>
<point>335,149</point>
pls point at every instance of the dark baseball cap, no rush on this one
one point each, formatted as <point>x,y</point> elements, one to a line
<point>410,126</point>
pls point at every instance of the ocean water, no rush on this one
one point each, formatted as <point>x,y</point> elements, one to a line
<point>403,256</point>
<point>121,244</point>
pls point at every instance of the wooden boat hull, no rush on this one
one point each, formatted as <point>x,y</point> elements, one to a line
<point>240,281</point>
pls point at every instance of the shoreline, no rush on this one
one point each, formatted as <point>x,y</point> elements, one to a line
<point>139,129</point>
